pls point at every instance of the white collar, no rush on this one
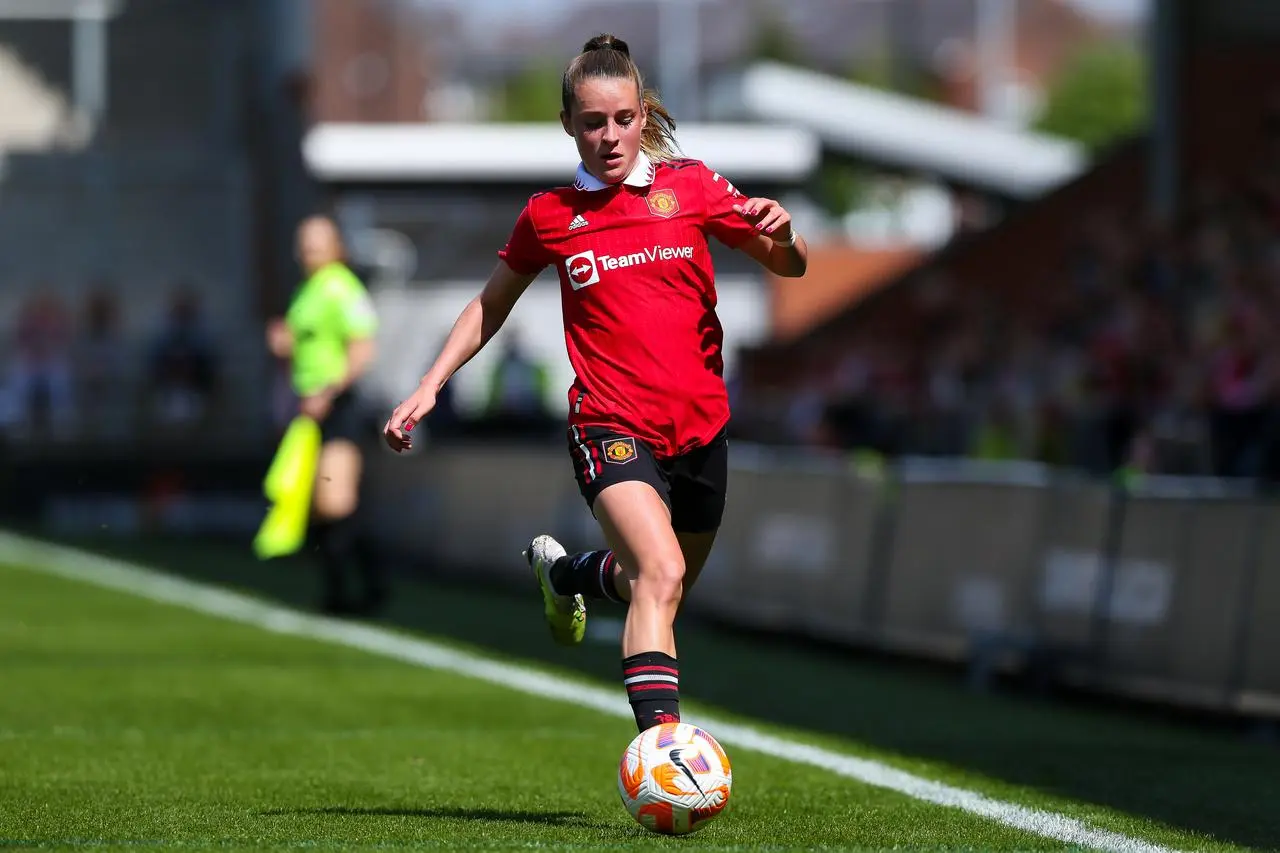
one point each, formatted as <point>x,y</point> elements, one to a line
<point>641,175</point>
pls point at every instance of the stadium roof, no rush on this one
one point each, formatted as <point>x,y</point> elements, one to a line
<point>59,10</point>
<point>368,153</point>
<point>909,133</point>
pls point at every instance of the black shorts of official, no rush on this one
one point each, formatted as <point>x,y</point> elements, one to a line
<point>346,420</point>
<point>692,485</point>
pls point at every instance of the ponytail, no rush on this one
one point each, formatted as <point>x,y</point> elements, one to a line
<point>658,141</point>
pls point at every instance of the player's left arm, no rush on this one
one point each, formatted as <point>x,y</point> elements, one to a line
<point>760,227</point>
<point>776,245</point>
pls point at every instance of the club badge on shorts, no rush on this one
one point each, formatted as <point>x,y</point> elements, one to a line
<point>663,203</point>
<point>620,451</point>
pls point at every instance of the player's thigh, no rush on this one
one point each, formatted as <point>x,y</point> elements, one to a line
<point>699,484</point>
<point>603,457</point>
<point>337,486</point>
<point>696,548</point>
<point>628,492</point>
<point>637,525</point>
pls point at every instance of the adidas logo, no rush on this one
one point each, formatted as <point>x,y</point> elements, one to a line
<point>578,222</point>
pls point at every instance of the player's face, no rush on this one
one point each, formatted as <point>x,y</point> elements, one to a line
<point>318,244</point>
<point>606,120</point>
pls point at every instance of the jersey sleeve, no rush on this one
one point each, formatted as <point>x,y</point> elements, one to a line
<point>525,252</point>
<point>722,221</point>
<point>356,312</point>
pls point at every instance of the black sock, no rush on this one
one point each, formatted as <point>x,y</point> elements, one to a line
<point>337,539</point>
<point>589,574</point>
<point>652,680</point>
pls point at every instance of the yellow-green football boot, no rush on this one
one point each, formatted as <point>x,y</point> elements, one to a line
<point>566,614</point>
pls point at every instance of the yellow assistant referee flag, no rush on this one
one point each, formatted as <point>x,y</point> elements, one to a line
<point>288,486</point>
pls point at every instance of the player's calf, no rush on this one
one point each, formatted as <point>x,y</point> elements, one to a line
<point>592,574</point>
<point>650,671</point>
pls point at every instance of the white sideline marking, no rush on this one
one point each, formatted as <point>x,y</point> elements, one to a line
<point>125,577</point>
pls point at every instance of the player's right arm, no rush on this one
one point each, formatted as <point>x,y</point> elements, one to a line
<point>522,259</point>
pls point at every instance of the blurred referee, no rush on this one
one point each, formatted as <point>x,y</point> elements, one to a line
<point>328,337</point>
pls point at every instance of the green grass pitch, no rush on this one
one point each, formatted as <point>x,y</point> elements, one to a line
<point>129,724</point>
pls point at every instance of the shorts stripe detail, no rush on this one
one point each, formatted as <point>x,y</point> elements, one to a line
<point>593,447</point>
<point>589,469</point>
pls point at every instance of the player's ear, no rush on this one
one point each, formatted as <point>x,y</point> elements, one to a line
<point>566,122</point>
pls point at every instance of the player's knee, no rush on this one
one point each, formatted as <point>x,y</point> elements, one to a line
<point>333,503</point>
<point>661,580</point>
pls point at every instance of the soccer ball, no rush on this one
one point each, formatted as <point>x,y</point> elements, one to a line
<point>674,778</point>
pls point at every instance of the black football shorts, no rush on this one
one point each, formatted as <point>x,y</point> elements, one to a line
<point>692,485</point>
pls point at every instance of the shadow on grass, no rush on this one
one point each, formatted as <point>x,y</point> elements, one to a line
<point>549,818</point>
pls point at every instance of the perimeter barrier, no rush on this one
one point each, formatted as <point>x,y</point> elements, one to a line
<point>1167,590</point>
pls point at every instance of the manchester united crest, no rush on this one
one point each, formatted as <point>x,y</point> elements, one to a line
<point>620,451</point>
<point>663,203</point>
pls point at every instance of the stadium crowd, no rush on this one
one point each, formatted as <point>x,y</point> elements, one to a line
<point>1160,356</point>
<point>66,374</point>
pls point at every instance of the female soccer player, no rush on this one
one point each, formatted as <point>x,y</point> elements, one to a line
<point>328,337</point>
<point>648,409</point>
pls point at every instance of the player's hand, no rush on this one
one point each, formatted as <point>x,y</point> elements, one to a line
<point>408,415</point>
<point>769,217</point>
<point>279,338</point>
<point>317,406</point>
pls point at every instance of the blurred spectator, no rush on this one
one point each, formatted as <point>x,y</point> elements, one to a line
<point>998,435</point>
<point>182,366</point>
<point>38,394</point>
<point>1241,382</point>
<point>518,385</point>
<point>100,366</point>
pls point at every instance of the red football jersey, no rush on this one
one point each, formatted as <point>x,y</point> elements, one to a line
<point>639,298</point>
